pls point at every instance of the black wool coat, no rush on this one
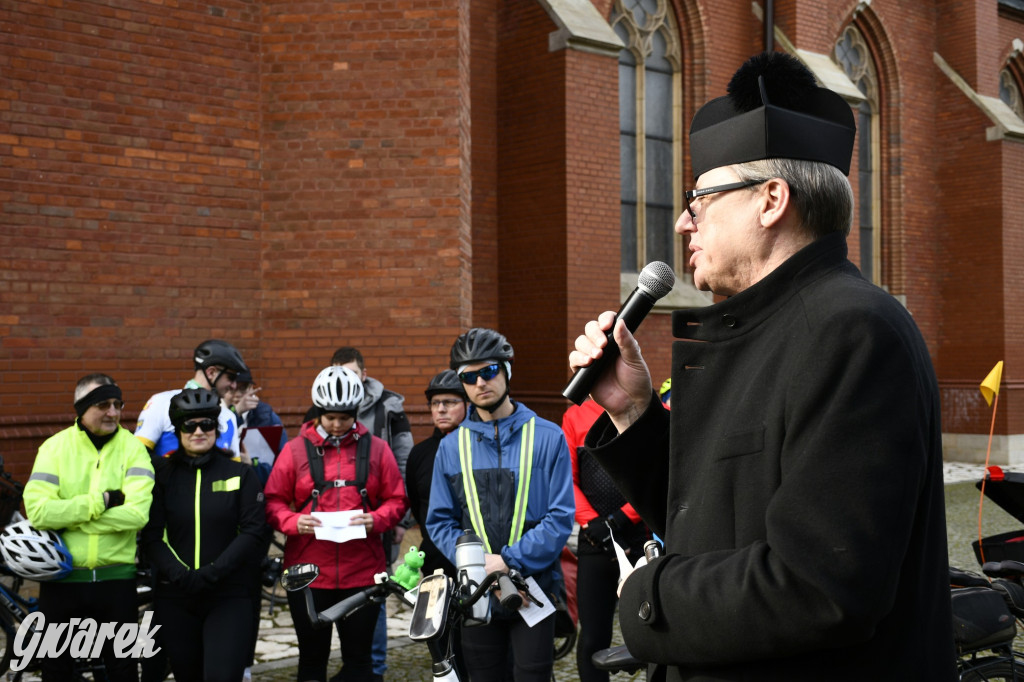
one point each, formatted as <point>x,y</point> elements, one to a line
<point>797,483</point>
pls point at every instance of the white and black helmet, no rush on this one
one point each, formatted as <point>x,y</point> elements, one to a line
<point>34,554</point>
<point>337,389</point>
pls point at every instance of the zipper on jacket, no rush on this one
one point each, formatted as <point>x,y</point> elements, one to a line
<point>497,445</point>
<point>199,487</point>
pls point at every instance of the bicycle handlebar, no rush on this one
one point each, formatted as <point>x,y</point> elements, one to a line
<point>510,584</point>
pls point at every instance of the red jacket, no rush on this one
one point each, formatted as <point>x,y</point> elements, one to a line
<point>348,564</point>
<point>576,421</point>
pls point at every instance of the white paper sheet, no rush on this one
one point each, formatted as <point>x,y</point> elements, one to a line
<point>335,526</point>
<point>532,613</point>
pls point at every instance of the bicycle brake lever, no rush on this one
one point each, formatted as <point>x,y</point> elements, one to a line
<point>520,582</point>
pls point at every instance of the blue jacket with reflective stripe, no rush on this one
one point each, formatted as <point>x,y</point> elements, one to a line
<point>496,449</point>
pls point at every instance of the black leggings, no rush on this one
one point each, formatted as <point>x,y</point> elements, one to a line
<point>355,633</point>
<point>207,637</point>
<point>107,601</point>
<point>597,575</point>
<point>486,650</point>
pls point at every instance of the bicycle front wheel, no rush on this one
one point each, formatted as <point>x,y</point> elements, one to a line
<point>993,669</point>
<point>8,630</point>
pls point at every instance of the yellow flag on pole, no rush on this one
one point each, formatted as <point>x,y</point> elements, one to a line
<point>990,386</point>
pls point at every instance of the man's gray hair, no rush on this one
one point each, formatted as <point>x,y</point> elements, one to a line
<point>820,192</point>
<point>90,381</point>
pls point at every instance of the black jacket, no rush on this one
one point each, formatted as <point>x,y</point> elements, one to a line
<point>800,495</point>
<point>223,551</point>
<point>418,473</point>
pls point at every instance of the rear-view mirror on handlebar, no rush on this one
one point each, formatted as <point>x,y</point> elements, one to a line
<point>299,576</point>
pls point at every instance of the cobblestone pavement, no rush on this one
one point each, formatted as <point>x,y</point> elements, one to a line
<point>277,653</point>
<point>410,661</point>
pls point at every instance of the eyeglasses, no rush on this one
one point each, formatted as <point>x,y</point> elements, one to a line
<point>487,373</point>
<point>231,375</point>
<point>203,425</point>
<point>704,191</point>
<point>446,403</point>
<point>107,404</point>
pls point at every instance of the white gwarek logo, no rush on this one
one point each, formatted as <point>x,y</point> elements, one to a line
<point>82,638</point>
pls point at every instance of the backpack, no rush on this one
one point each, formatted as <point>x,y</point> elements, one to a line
<point>315,455</point>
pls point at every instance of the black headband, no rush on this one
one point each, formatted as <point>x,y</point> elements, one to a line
<point>97,395</point>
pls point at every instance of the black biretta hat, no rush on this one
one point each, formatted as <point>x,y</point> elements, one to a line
<point>774,110</point>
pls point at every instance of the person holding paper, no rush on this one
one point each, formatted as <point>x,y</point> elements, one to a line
<point>506,474</point>
<point>328,449</point>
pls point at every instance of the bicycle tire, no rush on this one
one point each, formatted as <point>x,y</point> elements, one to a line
<point>8,631</point>
<point>992,669</point>
<point>563,645</point>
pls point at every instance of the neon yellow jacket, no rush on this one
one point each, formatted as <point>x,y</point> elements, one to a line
<point>65,493</point>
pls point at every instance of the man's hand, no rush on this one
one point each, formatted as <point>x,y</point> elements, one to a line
<point>624,390</point>
<point>249,400</point>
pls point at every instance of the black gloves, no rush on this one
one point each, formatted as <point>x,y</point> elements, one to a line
<point>115,498</point>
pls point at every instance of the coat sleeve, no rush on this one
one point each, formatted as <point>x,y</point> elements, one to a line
<point>251,542</point>
<point>551,494</point>
<point>638,461</point>
<point>137,487</point>
<point>390,493</point>
<point>417,480</point>
<point>279,491</point>
<point>44,507</point>
<point>444,514</point>
<point>157,551</point>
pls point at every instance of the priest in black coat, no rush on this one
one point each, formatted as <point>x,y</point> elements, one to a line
<point>797,480</point>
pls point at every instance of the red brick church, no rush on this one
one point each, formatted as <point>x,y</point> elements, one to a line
<point>297,176</point>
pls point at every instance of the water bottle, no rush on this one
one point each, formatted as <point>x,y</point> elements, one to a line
<point>469,562</point>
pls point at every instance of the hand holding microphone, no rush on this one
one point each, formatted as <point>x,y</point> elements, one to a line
<point>627,390</point>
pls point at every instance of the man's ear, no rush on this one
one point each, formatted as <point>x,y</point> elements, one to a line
<point>775,202</point>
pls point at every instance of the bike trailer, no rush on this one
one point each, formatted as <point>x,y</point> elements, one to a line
<point>981,619</point>
<point>1006,489</point>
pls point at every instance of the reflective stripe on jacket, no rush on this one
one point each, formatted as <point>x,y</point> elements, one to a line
<point>65,492</point>
<point>496,450</point>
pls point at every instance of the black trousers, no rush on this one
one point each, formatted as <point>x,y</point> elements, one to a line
<point>107,601</point>
<point>597,575</point>
<point>355,633</point>
<point>488,649</point>
<point>208,638</point>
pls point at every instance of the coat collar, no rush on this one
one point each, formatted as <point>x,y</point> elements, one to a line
<point>746,310</point>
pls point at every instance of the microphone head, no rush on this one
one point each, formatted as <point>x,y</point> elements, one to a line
<point>657,279</point>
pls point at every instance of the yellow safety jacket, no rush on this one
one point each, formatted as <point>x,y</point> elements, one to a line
<point>65,493</point>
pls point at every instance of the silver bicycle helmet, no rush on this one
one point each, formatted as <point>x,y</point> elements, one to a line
<point>337,389</point>
<point>445,382</point>
<point>34,554</point>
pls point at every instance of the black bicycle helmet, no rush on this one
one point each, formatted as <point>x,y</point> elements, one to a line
<point>480,344</point>
<point>193,403</point>
<point>445,382</point>
<point>216,352</point>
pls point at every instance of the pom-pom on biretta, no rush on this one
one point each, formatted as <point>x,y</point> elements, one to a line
<point>774,109</point>
<point>787,82</point>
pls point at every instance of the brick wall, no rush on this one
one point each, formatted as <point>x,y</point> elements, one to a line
<point>297,176</point>
<point>129,198</point>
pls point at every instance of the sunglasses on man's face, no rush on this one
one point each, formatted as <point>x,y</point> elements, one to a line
<point>486,373</point>
<point>201,424</point>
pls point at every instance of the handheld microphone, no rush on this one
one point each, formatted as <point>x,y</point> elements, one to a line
<point>656,280</point>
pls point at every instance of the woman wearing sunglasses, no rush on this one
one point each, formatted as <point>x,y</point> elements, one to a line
<point>205,537</point>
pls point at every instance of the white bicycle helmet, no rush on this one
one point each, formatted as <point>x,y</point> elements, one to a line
<point>337,389</point>
<point>34,554</point>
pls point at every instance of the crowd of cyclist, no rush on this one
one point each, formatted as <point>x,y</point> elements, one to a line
<point>182,497</point>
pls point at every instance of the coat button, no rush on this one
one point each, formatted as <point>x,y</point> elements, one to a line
<point>645,610</point>
<point>729,321</point>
